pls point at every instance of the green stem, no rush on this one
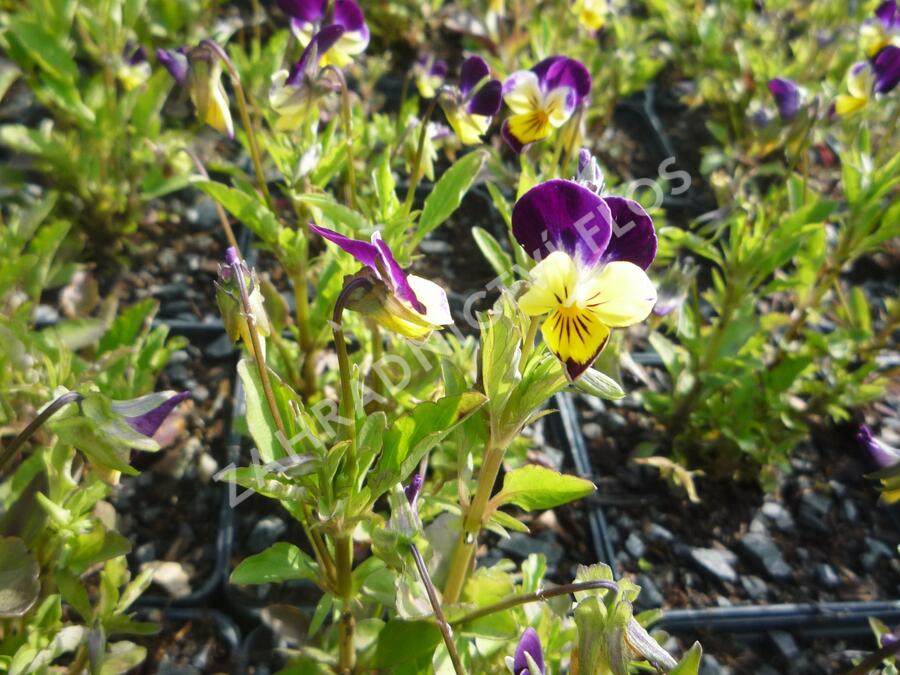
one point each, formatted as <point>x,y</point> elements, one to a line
<point>255,155</point>
<point>347,121</point>
<point>377,355</point>
<point>872,661</point>
<point>10,451</point>
<point>537,596</point>
<point>444,627</point>
<point>465,546</point>
<point>238,268</point>
<point>416,174</point>
<point>223,217</point>
<point>344,554</point>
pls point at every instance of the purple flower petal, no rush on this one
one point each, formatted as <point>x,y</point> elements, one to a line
<point>397,280</point>
<point>562,215</point>
<point>363,251</point>
<point>882,455</point>
<point>148,422</point>
<point>529,644</point>
<point>175,62</point>
<point>320,43</point>
<point>633,237</point>
<point>349,15</point>
<point>787,96</point>
<point>231,256</point>
<point>887,69</point>
<point>889,14</point>
<point>514,143</point>
<point>307,11</point>
<point>474,70</point>
<point>487,100</point>
<point>412,490</point>
<point>561,71</point>
<point>139,55</point>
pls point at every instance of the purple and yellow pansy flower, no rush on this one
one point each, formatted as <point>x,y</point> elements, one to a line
<point>308,16</point>
<point>787,97</point>
<point>883,30</point>
<point>429,74</point>
<point>543,99</point>
<point>200,70</point>
<point>293,92</point>
<point>591,253</point>
<point>860,89</point>
<point>403,303</point>
<point>529,656</point>
<point>471,106</point>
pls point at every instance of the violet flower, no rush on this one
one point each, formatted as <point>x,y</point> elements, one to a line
<point>787,97</point>
<point>146,414</point>
<point>471,106</point>
<point>200,70</point>
<point>429,74</point>
<point>592,252</point>
<point>886,68</point>
<point>529,658</point>
<point>543,99</point>
<point>881,454</point>
<point>309,16</point>
<point>293,92</point>
<point>402,303</point>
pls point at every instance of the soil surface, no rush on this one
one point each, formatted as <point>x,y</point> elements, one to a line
<point>190,643</point>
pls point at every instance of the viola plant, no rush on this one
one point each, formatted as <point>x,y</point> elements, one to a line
<point>472,104</point>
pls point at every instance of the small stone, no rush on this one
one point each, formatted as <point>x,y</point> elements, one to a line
<point>651,597</point>
<point>814,510</point>
<point>779,515</point>
<point>850,511</point>
<point>754,587</point>
<point>265,533</point>
<point>876,550</point>
<point>613,421</point>
<point>765,554</point>
<point>658,533</point>
<point>592,431</point>
<point>785,645</point>
<point>713,562</point>
<point>758,524</point>
<point>207,467</point>
<point>722,601</point>
<point>710,666</point>
<point>172,576</point>
<point>837,488</point>
<point>145,552</point>
<point>635,547</point>
<point>520,546</point>
<point>220,348</point>
<point>827,575</point>
<point>200,394</point>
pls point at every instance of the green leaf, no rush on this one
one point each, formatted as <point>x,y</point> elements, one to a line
<point>535,487</point>
<point>333,215</point>
<point>690,662</point>
<point>448,193</point>
<point>43,47</point>
<point>493,252</point>
<point>401,642</point>
<point>280,562</point>
<point>127,326</point>
<point>247,209</point>
<point>599,384</point>
<point>96,546</point>
<point>122,657</point>
<point>19,584</point>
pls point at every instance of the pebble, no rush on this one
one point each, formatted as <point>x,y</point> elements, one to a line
<point>850,511</point>
<point>172,576</point>
<point>766,555</point>
<point>658,533</point>
<point>613,421</point>
<point>521,546</point>
<point>779,515</point>
<point>814,509</point>
<point>710,666</point>
<point>875,551</point>
<point>220,348</point>
<point>635,547</point>
<point>651,597</point>
<point>714,562</point>
<point>755,587</point>
<point>145,552</point>
<point>265,533</point>
<point>592,431</point>
<point>827,575</point>
<point>207,467</point>
<point>785,645</point>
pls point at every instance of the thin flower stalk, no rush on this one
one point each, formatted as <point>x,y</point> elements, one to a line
<point>443,625</point>
<point>220,211</point>
<point>347,121</point>
<point>62,401</point>
<point>416,174</point>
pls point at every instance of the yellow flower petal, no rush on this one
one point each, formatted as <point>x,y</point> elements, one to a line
<point>525,96</point>
<point>555,106</point>
<point>591,13</point>
<point>574,334</point>
<point>860,84</point>
<point>218,115</point>
<point>621,294</point>
<point>530,127</point>
<point>553,279</point>
<point>845,105</point>
<point>468,128</point>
